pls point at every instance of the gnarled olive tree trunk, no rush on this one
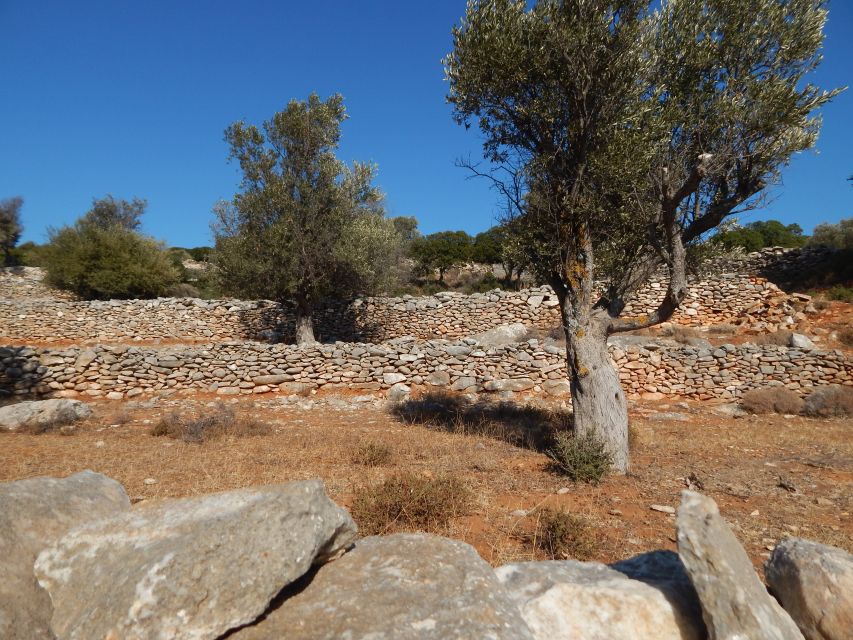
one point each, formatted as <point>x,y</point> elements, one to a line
<point>304,320</point>
<point>598,400</point>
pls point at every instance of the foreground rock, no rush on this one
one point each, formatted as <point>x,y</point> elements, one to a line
<point>814,582</point>
<point>191,568</point>
<point>42,413</point>
<point>34,514</point>
<point>735,605</point>
<point>570,599</point>
<point>400,587</point>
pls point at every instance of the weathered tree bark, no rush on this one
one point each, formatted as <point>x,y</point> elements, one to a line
<point>598,400</point>
<point>304,320</point>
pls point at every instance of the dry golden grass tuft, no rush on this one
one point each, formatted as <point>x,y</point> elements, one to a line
<point>772,400</point>
<point>563,535</point>
<point>373,454</point>
<point>779,338</point>
<point>217,423</point>
<point>410,502</point>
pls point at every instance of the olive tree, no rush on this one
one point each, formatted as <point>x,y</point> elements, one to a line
<point>620,136</point>
<point>10,227</point>
<point>109,211</point>
<point>304,225</point>
<point>441,251</point>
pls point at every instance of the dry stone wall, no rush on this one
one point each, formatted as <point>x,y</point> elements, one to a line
<point>727,298</point>
<point>465,365</point>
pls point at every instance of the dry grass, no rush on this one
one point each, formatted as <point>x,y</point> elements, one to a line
<point>722,329</point>
<point>680,333</point>
<point>217,423</point>
<point>581,458</point>
<point>372,454</point>
<point>410,502</point>
<point>845,336</point>
<point>779,338</point>
<point>520,425</point>
<point>772,400</point>
<point>563,535</point>
<point>833,401</point>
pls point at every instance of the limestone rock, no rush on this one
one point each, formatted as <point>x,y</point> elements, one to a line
<point>504,334</point>
<point>814,583</point>
<point>438,379</point>
<point>398,587</point>
<point>799,341</point>
<point>735,605</point>
<point>34,514</point>
<point>190,568</point>
<point>36,413</point>
<point>392,378</point>
<point>566,599</point>
<point>399,392</point>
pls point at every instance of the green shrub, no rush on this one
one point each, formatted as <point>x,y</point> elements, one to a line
<point>562,535</point>
<point>840,292</point>
<point>103,263</point>
<point>583,458</point>
<point>409,502</point>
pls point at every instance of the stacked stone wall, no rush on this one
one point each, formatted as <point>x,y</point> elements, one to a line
<point>253,368</point>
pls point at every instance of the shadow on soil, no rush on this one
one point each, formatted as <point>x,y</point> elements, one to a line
<point>519,425</point>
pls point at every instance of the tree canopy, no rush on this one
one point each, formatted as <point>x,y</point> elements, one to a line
<point>109,211</point>
<point>760,234</point>
<point>304,224</point>
<point>620,136</point>
<point>10,226</point>
<point>441,251</point>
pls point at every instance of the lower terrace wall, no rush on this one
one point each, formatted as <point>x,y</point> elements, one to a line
<point>724,298</point>
<point>250,368</point>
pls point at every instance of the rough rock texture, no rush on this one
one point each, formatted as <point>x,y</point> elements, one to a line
<point>38,413</point>
<point>814,583</point>
<point>34,514</point>
<point>398,587</point>
<point>504,334</point>
<point>191,568</point>
<point>735,605</point>
<point>569,599</point>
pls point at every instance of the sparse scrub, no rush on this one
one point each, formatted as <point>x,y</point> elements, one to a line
<point>840,293</point>
<point>372,454</point>
<point>220,422</point>
<point>583,458</point>
<point>779,338</point>
<point>722,329</point>
<point>562,535</point>
<point>834,401</point>
<point>183,290</point>
<point>680,333</point>
<point>772,400</point>
<point>410,502</point>
<point>845,336</point>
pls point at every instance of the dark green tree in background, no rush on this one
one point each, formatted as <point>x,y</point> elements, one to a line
<point>441,251</point>
<point>102,256</point>
<point>761,234</point>
<point>620,137</point>
<point>304,225</point>
<point>10,227</point>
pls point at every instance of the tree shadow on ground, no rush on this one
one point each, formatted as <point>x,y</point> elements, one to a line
<point>333,321</point>
<point>523,426</point>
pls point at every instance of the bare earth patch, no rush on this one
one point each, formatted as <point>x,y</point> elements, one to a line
<point>772,476</point>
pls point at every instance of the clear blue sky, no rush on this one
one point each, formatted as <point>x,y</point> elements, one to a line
<point>131,98</point>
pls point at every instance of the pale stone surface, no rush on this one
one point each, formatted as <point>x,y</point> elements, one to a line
<point>34,514</point>
<point>800,341</point>
<point>399,587</point>
<point>393,378</point>
<point>191,568</point>
<point>814,583</point>
<point>399,392</point>
<point>735,605</point>
<point>566,599</point>
<point>34,413</point>
<point>504,334</point>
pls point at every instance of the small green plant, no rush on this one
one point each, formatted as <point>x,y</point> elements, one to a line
<point>583,458</point>
<point>220,422</point>
<point>562,535</point>
<point>410,502</point>
<point>372,454</point>
<point>840,292</point>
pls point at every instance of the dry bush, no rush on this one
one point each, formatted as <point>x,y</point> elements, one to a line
<point>409,502</point>
<point>820,304</point>
<point>834,401</point>
<point>779,338</point>
<point>372,454</point>
<point>519,425</point>
<point>772,400</point>
<point>680,333</point>
<point>722,328</point>
<point>634,438</point>
<point>562,535</point>
<point>582,458</point>
<point>845,336</point>
<point>221,421</point>
<point>64,427</point>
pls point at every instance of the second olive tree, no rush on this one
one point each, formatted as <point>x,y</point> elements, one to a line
<point>304,225</point>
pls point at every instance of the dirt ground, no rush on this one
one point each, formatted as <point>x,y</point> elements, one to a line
<point>772,476</point>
